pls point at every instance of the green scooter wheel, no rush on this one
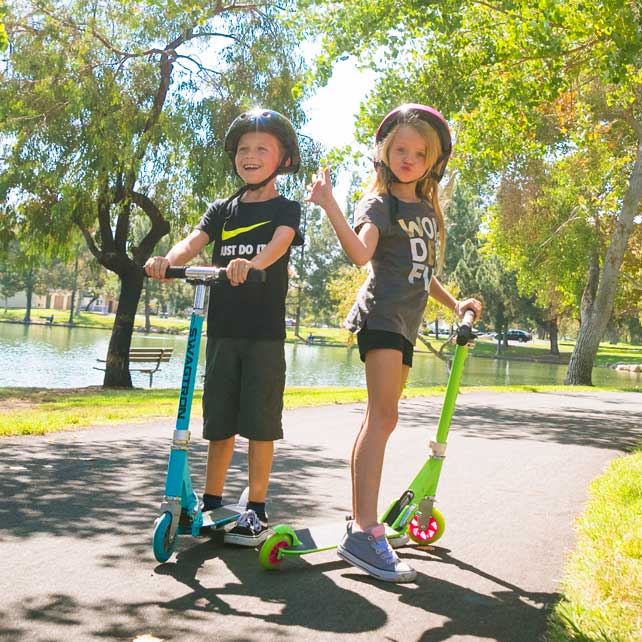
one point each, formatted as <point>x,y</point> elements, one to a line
<point>163,544</point>
<point>269,553</point>
<point>433,531</point>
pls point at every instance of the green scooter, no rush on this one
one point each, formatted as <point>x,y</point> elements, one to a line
<point>414,512</point>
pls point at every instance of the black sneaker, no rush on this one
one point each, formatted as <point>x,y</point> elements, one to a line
<point>249,530</point>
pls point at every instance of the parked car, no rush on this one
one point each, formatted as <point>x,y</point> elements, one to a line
<point>517,335</point>
<point>290,323</point>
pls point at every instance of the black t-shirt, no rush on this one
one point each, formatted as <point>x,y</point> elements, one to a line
<point>242,230</point>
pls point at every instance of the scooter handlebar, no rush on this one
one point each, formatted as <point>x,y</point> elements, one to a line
<point>465,331</point>
<point>210,273</point>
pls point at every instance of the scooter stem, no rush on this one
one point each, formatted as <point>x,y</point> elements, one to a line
<point>452,390</point>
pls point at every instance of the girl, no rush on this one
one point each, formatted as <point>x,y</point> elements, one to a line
<point>396,227</point>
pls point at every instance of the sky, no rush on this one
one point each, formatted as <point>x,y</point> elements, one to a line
<point>332,111</point>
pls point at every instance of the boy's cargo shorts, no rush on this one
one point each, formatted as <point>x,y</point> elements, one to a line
<point>243,388</point>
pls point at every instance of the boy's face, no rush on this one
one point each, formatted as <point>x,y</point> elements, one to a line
<point>258,155</point>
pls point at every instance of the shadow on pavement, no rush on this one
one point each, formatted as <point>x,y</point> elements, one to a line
<point>302,595</point>
<point>116,487</point>
<point>610,426</point>
<point>298,596</point>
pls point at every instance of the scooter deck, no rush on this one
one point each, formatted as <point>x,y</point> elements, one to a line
<point>219,517</point>
<point>323,538</point>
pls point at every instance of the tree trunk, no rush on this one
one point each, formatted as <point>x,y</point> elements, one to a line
<point>29,293</point>
<point>93,298</point>
<point>117,367</point>
<point>552,332</point>
<point>73,291</point>
<point>596,311</point>
<point>613,332</point>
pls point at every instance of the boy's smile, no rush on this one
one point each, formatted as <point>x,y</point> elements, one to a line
<point>258,155</point>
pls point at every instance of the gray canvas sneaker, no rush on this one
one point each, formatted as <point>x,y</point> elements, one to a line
<point>374,555</point>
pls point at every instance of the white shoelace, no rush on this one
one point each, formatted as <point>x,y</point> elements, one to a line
<point>384,550</point>
<point>251,519</point>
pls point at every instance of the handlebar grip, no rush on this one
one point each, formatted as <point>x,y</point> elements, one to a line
<point>175,272</point>
<point>465,330</point>
<point>210,274</point>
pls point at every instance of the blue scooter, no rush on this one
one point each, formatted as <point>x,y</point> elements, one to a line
<point>181,511</point>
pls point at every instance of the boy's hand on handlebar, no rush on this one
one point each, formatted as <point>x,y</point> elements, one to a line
<point>468,304</point>
<point>156,266</point>
<point>237,270</point>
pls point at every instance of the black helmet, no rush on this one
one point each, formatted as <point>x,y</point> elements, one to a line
<point>407,112</point>
<point>266,120</point>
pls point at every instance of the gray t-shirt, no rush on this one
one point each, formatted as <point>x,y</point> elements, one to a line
<point>395,293</point>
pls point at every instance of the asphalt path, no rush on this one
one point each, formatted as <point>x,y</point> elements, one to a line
<point>77,510</point>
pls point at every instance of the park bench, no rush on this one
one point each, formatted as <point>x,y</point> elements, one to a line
<point>318,339</point>
<point>153,356</point>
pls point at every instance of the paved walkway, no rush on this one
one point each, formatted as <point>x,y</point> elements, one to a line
<point>77,508</point>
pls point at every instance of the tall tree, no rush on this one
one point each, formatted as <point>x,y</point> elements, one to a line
<point>112,109</point>
<point>499,69</point>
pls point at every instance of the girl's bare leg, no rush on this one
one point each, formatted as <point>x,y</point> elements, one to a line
<point>385,376</point>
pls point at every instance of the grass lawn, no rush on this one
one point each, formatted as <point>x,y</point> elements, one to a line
<point>32,411</point>
<point>602,583</point>
<point>93,319</point>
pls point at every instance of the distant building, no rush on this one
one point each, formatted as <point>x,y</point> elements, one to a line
<point>61,300</point>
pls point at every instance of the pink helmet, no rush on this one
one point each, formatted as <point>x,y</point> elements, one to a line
<point>410,111</point>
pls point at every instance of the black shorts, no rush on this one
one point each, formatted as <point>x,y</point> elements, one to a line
<point>243,389</point>
<point>371,339</point>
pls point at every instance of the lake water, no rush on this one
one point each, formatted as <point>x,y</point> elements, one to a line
<point>60,357</point>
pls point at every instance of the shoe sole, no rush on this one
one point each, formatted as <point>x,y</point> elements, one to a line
<point>244,540</point>
<point>398,542</point>
<point>378,573</point>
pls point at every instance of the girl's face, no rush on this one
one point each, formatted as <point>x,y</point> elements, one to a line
<point>407,154</point>
<point>258,155</point>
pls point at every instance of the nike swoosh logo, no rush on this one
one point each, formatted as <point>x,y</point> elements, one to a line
<point>230,234</point>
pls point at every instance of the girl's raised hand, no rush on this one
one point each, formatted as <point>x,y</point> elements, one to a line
<point>320,189</point>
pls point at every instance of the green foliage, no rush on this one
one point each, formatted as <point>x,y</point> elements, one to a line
<point>463,218</point>
<point>603,578</point>
<point>316,265</point>
<point>342,289</point>
<point>106,100</point>
<point>559,80</point>
<point>4,41</point>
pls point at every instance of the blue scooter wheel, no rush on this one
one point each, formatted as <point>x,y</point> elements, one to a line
<point>163,545</point>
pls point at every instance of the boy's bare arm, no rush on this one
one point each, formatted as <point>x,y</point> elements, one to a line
<point>275,249</point>
<point>183,252</point>
<point>282,238</point>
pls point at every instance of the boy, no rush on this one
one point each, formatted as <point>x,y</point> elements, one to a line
<point>245,363</point>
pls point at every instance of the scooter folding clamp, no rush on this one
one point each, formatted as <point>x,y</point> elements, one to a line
<point>425,511</point>
<point>180,441</point>
<point>438,450</point>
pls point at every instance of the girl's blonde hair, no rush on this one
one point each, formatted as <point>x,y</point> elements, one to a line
<point>427,188</point>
